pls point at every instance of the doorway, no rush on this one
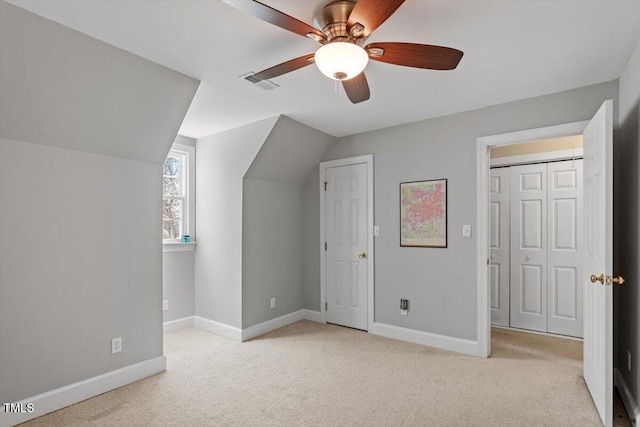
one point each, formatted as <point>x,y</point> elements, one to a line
<point>346,236</point>
<point>598,232</point>
<point>535,236</point>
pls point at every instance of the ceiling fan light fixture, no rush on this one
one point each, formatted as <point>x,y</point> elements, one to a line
<point>341,60</point>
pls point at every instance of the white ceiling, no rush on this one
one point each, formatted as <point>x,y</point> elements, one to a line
<point>512,50</point>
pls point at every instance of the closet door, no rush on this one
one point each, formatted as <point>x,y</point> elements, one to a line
<point>529,247</point>
<point>499,211</point>
<point>565,248</point>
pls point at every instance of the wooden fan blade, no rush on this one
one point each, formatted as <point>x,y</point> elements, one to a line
<point>275,17</point>
<point>372,13</point>
<point>357,88</point>
<point>280,69</point>
<point>416,55</point>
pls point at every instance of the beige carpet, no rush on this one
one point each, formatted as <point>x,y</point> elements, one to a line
<point>323,375</point>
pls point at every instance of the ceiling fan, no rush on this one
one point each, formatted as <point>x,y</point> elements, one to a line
<point>342,28</point>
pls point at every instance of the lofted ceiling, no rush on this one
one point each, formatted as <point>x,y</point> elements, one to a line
<point>512,50</point>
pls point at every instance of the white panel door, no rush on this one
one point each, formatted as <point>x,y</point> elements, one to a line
<point>499,211</point>
<point>529,247</point>
<point>598,260</point>
<point>565,251</point>
<point>346,238</point>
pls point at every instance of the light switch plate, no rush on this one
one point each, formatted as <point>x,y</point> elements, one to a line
<point>376,230</point>
<point>466,231</point>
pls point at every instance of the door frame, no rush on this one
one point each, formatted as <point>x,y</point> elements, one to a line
<point>368,160</point>
<point>483,144</point>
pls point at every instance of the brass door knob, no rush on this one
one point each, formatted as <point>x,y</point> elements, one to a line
<point>595,278</point>
<point>619,280</point>
<point>362,255</point>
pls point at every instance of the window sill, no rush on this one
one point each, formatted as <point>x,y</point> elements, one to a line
<point>178,247</point>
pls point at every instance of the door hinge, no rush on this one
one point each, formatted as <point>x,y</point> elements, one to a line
<point>326,306</point>
<point>325,185</point>
<point>325,246</point>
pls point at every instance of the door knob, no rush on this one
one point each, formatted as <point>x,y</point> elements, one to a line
<point>619,280</point>
<point>362,255</point>
<point>595,278</point>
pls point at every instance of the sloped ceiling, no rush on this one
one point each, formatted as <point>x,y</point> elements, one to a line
<point>512,50</point>
<point>63,88</point>
<point>289,153</point>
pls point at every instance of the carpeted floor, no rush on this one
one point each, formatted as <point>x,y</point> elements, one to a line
<point>324,375</point>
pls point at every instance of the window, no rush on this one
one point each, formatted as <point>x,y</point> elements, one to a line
<point>175,196</point>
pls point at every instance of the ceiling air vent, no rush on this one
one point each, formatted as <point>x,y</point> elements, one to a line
<point>263,84</point>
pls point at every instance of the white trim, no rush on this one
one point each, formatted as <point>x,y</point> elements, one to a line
<point>627,398</point>
<point>175,325</point>
<point>482,209</point>
<point>444,342</point>
<point>178,247</point>
<point>272,325</point>
<point>546,334</point>
<point>68,395</point>
<point>314,316</point>
<point>368,160</point>
<point>537,157</point>
<point>218,328</point>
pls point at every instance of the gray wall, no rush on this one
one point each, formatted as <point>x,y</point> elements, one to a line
<point>274,222</point>
<point>221,163</point>
<point>80,253</point>
<point>271,250</point>
<point>179,284</point>
<point>627,256</point>
<point>311,243</point>
<point>441,283</point>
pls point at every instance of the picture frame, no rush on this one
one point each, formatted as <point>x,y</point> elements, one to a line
<point>423,214</point>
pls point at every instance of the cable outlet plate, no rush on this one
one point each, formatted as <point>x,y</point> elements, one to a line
<point>116,345</point>
<point>404,306</point>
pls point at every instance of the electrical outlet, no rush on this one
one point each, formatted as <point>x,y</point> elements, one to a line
<point>165,305</point>
<point>628,360</point>
<point>404,306</point>
<point>116,345</point>
<point>273,303</point>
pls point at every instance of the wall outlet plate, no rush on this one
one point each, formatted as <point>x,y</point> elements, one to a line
<point>116,345</point>
<point>273,303</point>
<point>466,231</point>
<point>165,305</point>
<point>404,307</point>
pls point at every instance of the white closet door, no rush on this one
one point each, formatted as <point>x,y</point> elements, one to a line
<point>499,211</point>
<point>564,302</point>
<point>529,247</point>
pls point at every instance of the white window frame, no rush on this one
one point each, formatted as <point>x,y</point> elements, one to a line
<point>187,152</point>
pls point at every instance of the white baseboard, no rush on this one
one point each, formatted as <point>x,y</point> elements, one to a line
<point>272,325</point>
<point>314,316</point>
<point>629,403</point>
<point>175,325</point>
<point>68,395</point>
<point>218,328</point>
<point>443,342</point>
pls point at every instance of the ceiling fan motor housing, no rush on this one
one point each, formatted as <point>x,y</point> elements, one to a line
<point>332,21</point>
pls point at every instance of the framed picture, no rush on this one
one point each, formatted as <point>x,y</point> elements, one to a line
<point>423,213</point>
